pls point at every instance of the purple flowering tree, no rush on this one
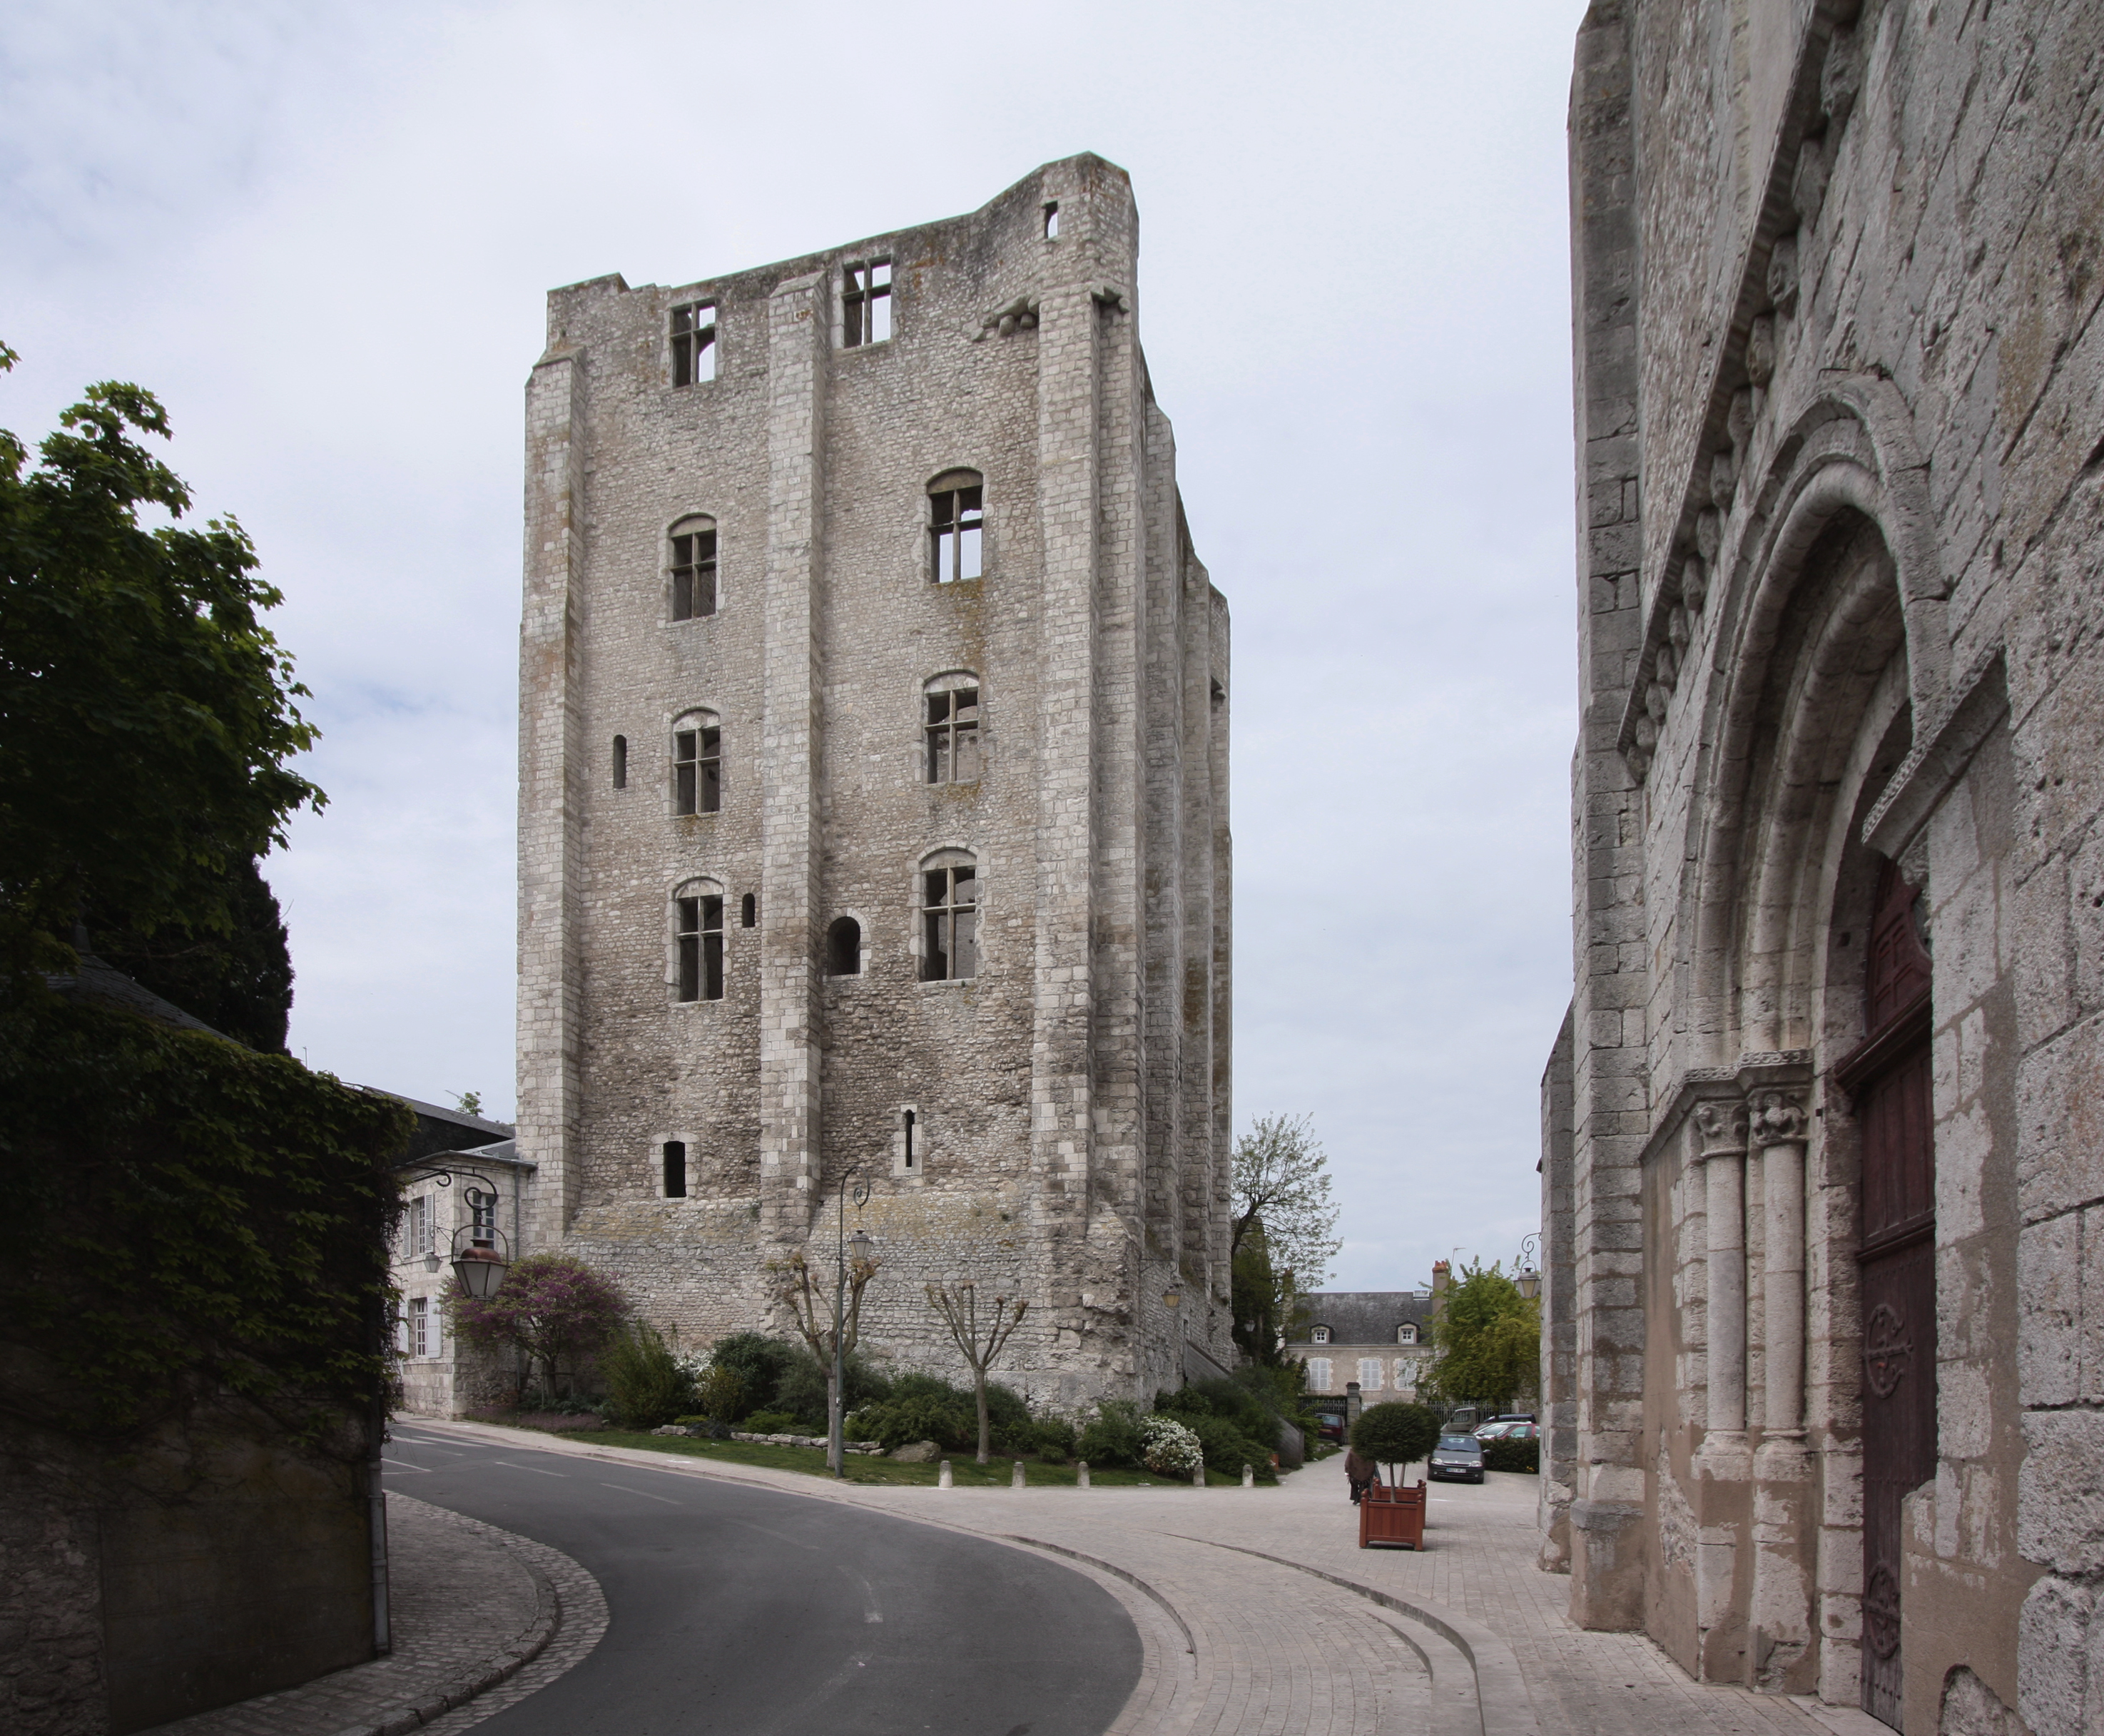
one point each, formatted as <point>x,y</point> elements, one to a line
<point>549,1306</point>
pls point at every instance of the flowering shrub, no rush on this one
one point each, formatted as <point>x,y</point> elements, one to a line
<point>549,1306</point>
<point>1168,1447</point>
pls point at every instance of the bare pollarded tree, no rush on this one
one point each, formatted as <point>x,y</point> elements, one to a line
<point>979,1344</point>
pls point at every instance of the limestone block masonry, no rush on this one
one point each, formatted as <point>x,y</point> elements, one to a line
<point>1822,1153</point>
<point>1044,1111</point>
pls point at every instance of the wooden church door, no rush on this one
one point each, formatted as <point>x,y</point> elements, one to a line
<point>1889,1078</point>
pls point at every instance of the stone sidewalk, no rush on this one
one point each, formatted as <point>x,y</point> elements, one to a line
<point>1260,1616</point>
<point>481,1619</point>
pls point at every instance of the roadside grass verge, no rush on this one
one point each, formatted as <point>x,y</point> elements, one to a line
<point>965,1472</point>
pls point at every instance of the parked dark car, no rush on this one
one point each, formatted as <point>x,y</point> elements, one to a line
<point>1458,1458</point>
<point>1329,1426</point>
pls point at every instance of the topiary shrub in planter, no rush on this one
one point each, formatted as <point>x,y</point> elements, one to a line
<point>1513,1455</point>
<point>1395,1434</point>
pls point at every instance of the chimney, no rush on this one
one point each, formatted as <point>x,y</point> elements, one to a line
<point>1442,1275</point>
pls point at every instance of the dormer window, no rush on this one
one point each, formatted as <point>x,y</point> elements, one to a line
<point>1405,1335</point>
<point>1319,1335</point>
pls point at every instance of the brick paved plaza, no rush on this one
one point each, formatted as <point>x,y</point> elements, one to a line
<point>1243,1639</point>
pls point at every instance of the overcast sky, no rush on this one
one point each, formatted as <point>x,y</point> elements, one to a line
<point>322,233</point>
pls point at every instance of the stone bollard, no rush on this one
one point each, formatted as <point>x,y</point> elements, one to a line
<point>1249,1476</point>
<point>942,1476</point>
<point>1080,1473</point>
<point>1015,1476</point>
<point>1198,1476</point>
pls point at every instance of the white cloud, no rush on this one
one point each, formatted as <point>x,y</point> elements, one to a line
<point>323,234</point>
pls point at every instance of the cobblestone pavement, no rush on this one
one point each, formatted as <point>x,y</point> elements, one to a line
<point>475,1612</point>
<point>1242,1635</point>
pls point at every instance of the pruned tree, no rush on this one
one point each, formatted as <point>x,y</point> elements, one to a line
<point>1282,1201</point>
<point>796,1288</point>
<point>979,1345</point>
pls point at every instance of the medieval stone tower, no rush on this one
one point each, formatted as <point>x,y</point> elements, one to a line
<point>873,794</point>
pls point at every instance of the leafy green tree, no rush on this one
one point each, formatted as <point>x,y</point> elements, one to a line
<point>1395,1434</point>
<point>146,714</point>
<point>1265,1300</point>
<point>1488,1338</point>
<point>238,982</point>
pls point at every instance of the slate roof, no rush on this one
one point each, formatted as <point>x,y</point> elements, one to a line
<point>1364,1316</point>
<point>106,985</point>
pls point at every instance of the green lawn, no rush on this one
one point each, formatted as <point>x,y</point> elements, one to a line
<point>964,1471</point>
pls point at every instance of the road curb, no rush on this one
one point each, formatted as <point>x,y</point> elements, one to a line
<point>399,1719</point>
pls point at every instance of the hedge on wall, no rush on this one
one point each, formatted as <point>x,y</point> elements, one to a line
<point>185,1222</point>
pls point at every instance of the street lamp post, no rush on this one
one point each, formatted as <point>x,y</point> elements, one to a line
<point>836,1421</point>
<point>1528,1277</point>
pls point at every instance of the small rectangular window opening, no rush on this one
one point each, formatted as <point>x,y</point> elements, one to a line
<point>866,303</point>
<point>951,913</point>
<point>676,1169</point>
<point>909,1139</point>
<point>748,913</point>
<point>699,932</point>
<point>698,771</point>
<point>694,343</point>
<point>694,575</point>
<point>1052,221</point>
<point>953,736</point>
<point>958,524</point>
<point>620,762</point>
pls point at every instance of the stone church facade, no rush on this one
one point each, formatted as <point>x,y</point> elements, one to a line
<point>874,796</point>
<point>1824,1168</point>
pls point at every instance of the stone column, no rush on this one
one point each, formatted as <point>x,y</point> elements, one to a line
<point>1781,1614</point>
<point>550,972</point>
<point>1721,1126</point>
<point>799,338</point>
<point>1722,1465</point>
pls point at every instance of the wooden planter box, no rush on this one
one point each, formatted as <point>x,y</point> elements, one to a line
<point>1393,1516</point>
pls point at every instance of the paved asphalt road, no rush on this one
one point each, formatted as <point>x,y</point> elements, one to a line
<point>736,1610</point>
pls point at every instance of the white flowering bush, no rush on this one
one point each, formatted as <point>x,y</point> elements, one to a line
<point>1168,1447</point>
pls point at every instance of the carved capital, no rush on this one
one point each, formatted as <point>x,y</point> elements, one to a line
<point>1780,1117</point>
<point>1720,1124</point>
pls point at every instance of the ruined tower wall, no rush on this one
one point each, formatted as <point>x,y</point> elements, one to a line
<point>1069,1100</point>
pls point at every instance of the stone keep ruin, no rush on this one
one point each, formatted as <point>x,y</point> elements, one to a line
<point>874,796</point>
<point>1822,1171</point>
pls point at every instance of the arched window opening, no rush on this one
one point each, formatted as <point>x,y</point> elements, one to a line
<point>693,568</point>
<point>675,1155</point>
<point>698,931</point>
<point>956,503</point>
<point>697,763</point>
<point>951,707</point>
<point>844,948</point>
<point>950,917</point>
<point>748,911</point>
<point>620,762</point>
